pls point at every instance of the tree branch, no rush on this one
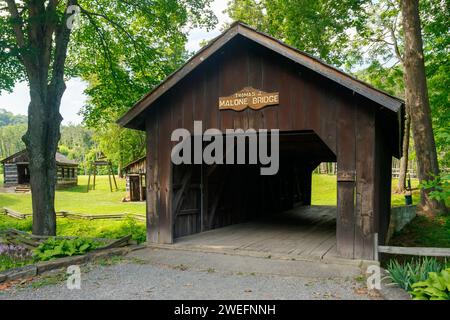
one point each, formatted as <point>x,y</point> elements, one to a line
<point>62,38</point>
<point>49,29</point>
<point>395,43</point>
<point>17,25</point>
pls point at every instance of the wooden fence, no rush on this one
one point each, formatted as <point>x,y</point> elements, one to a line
<point>331,168</point>
<point>411,251</point>
<point>72,215</point>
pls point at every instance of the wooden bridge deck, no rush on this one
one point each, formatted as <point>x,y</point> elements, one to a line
<point>304,232</point>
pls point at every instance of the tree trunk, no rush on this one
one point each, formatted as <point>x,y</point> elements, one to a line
<point>405,152</point>
<point>417,99</point>
<point>41,141</point>
<point>44,64</point>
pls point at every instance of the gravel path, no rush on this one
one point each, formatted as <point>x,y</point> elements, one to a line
<point>172,274</point>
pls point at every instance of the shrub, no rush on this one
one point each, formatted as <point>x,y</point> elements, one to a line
<point>54,248</point>
<point>126,227</point>
<point>405,275</point>
<point>440,187</point>
<point>8,223</point>
<point>13,256</point>
<point>436,287</point>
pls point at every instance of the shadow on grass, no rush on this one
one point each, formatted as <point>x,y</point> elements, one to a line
<point>424,231</point>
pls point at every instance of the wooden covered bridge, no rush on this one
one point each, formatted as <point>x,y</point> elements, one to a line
<point>323,115</point>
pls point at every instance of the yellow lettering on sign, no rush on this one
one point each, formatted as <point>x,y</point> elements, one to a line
<point>248,98</point>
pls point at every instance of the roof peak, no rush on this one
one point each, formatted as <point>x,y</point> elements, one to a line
<point>239,28</point>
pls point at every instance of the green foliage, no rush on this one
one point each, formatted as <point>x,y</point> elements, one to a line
<point>7,263</point>
<point>11,139</point>
<point>129,49</point>
<point>8,118</point>
<point>406,274</point>
<point>436,287</point>
<point>387,79</point>
<point>128,226</point>
<point>442,135</point>
<point>76,142</point>
<point>110,229</point>
<point>10,223</point>
<point>320,28</point>
<point>440,187</point>
<point>54,248</point>
<point>13,256</point>
<point>119,145</point>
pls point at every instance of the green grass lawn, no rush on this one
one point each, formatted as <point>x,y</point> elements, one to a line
<point>101,200</point>
<point>76,199</point>
<point>324,191</point>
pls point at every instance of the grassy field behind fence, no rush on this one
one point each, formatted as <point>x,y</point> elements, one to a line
<point>102,201</point>
<point>324,191</point>
<point>76,199</point>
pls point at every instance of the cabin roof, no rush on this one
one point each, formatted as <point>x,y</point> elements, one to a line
<point>134,162</point>
<point>238,28</point>
<point>59,157</point>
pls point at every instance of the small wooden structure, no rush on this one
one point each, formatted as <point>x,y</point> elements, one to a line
<point>16,171</point>
<point>101,161</point>
<point>135,174</point>
<point>323,115</point>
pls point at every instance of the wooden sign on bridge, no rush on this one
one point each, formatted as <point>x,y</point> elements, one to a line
<point>248,98</point>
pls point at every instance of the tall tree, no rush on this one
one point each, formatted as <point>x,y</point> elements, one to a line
<point>381,40</point>
<point>35,36</point>
<point>319,27</point>
<point>417,99</point>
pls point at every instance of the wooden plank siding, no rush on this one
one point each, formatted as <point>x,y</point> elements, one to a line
<point>69,177</point>
<point>348,129</point>
<point>10,174</point>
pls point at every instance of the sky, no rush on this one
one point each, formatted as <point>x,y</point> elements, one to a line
<point>74,99</point>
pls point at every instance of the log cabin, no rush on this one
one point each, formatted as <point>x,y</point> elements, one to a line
<point>16,171</point>
<point>135,175</point>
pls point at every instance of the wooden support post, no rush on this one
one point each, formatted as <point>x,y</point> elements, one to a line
<point>153,189</point>
<point>365,185</point>
<point>112,173</point>
<point>89,178</point>
<point>346,176</point>
<point>109,179</point>
<point>95,173</point>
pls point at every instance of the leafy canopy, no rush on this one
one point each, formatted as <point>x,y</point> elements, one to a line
<point>121,47</point>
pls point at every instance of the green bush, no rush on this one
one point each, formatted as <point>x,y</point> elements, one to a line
<point>8,223</point>
<point>440,187</point>
<point>405,275</point>
<point>14,256</point>
<point>7,263</point>
<point>112,229</point>
<point>128,226</point>
<point>56,248</point>
<point>436,287</point>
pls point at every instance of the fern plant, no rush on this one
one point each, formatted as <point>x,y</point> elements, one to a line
<point>405,275</point>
